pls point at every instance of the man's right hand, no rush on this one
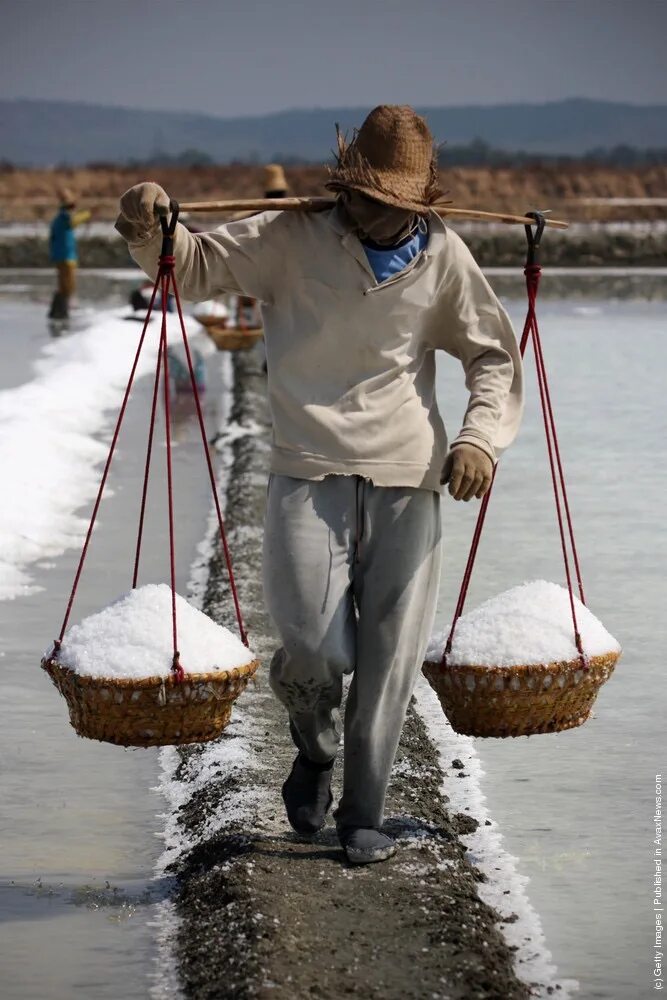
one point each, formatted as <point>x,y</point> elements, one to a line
<point>140,211</point>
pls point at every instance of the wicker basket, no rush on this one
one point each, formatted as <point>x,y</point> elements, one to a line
<point>228,338</point>
<point>521,700</point>
<point>152,711</point>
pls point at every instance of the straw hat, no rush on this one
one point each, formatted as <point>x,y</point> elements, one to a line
<point>66,196</point>
<point>274,179</point>
<point>392,158</point>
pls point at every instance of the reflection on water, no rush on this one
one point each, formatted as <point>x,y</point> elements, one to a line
<point>62,940</point>
<point>109,286</point>
<point>576,807</point>
<point>120,901</point>
<point>603,285</point>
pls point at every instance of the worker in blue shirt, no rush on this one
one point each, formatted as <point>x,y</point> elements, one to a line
<point>63,252</point>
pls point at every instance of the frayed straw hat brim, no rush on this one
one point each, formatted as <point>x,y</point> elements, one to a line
<point>386,197</point>
<point>391,158</point>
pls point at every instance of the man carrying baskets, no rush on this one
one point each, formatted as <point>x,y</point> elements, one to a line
<point>355,301</point>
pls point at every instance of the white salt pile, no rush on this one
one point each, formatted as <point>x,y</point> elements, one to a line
<point>133,638</point>
<point>531,623</point>
<point>210,308</point>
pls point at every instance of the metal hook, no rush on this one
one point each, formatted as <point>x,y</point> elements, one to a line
<point>534,238</point>
<point>168,227</point>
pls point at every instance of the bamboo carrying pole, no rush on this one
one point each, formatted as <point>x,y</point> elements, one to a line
<point>319,204</point>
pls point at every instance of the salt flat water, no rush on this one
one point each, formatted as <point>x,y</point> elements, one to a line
<point>576,808</point>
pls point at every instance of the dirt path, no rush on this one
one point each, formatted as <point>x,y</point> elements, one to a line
<point>265,916</point>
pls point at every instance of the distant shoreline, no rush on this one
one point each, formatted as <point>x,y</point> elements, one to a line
<point>584,247</point>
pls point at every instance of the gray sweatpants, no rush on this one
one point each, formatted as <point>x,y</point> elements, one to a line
<point>351,573</point>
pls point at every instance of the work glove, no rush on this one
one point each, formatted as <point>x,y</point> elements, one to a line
<point>140,211</point>
<point>469,472</point>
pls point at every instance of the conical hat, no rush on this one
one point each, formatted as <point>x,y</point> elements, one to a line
<point>274,178</point>
<point>66,196</point>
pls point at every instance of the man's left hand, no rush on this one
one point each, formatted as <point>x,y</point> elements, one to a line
<point>469,472</point>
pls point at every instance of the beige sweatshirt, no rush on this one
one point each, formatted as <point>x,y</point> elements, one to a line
<point>351,363</point>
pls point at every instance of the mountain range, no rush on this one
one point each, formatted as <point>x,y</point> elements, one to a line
<point>45,133</point>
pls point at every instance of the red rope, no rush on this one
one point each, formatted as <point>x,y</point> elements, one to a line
<point>553,451</point>
<point>149,450</point>
<point>537,342</point>
<point>107,466</point>
<point>211,474</point>
<point>530,329</point>
<point>179,673</point>
<point>164,279</point>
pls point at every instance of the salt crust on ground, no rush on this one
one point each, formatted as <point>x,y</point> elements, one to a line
<point>531,623</point>
<point>133,638</point>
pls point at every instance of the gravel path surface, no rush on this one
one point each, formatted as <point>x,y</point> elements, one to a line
<point>262,915</point>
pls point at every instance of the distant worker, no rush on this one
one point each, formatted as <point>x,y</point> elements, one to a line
<point>63,252</point>
<point>275,186</point>
<point>275,183</point>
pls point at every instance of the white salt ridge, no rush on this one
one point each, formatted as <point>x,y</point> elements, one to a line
<point>531,623</point>
<point>48,429</point>
<point>505,887</point>
<point>133,638</point>
<point>164,976</point>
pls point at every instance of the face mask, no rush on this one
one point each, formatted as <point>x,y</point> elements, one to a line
<point>381,223</point>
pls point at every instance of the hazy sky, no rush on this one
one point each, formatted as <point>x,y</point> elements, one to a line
<point>235,57</point>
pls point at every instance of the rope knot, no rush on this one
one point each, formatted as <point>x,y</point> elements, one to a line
<point>166,262</point>
<point>532,273</point>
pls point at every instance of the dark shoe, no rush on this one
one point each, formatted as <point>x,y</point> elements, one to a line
<point>307,795</point>
<point>365,845</point>
<point>59,307</point>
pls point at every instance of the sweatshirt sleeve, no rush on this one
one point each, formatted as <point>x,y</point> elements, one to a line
<point>78,218</point>
<point>235,258</point>
<point>474,327</point>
